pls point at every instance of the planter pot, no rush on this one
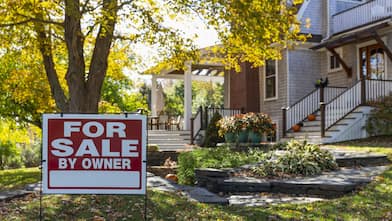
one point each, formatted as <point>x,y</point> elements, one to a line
<point>230,137</point>
<point>243,136</point>
<point>311,117</point>
<point>254,137</point>
<point>296,128</point>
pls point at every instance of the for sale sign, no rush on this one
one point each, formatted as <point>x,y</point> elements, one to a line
<point>94,154</point>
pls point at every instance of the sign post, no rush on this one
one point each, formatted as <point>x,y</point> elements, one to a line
<point>94,154</point>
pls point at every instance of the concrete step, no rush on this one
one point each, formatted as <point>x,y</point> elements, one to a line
<point>169,132</point>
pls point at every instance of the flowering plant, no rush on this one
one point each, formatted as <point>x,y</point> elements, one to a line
<point>257,122</point>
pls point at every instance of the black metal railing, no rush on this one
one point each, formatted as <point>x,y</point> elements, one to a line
<point>309,104</point>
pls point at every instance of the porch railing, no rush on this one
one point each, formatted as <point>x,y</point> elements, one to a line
<point>224,112</point>
<point>361,93</point>
<point>203,117</point>
<point>362,14</point>
<point>196,124</point>
<point>309,104</point>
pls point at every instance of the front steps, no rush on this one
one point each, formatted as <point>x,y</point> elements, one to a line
<point>173,140</point>
<point>349,128</point>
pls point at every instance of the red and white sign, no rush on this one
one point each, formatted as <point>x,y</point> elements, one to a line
<point>94,154</point>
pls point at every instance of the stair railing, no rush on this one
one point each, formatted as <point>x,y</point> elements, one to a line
<point>309,104</point>
<point>196,124</point>
<point>361,93</point>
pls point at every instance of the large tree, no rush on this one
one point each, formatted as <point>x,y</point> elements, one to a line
<point>88,29</point>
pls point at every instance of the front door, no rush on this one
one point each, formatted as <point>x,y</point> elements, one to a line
<point>372,62</point>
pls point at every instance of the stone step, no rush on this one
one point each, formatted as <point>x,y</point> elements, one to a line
<point>346,158</point>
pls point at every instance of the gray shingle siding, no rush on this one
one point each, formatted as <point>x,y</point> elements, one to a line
<point>313,11</point>
<point>273,107</point>
<point>304,68</point>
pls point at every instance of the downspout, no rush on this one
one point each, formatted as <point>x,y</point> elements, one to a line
<point>288,77</point>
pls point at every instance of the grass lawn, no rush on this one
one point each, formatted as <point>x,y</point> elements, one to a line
<point>18,178</point>
<point>374,202</point>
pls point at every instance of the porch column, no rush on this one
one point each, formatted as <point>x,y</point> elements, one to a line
<point>154,96</point>
<point>187,95</point>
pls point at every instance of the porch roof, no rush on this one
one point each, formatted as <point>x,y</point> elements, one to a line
<point>208,68</point>
<point>359,34</point>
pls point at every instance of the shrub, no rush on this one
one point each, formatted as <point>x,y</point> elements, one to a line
<point>212,137</point>
<point>220,157</point>
<point>297,159</point>
<point>186,167</point>
<point>380,119</point>
<point>8,155</point>
<point>152,147</point>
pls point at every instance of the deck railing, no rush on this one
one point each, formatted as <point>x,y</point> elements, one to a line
<point>361,93</point>
<point>309,104</point>
<point>362,14</point>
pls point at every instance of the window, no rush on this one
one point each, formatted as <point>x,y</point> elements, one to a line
<point>333,61</point>
<point>372,62</point>
<point>270,79</point>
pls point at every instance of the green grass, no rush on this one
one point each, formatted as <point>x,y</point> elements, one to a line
<point>18,178</point>
<point>374,202</point>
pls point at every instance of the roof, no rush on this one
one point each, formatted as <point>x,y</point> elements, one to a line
<point>361,33</point>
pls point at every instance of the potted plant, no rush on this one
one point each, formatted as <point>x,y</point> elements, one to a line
<point>259,125</point>
<point>227,129</point>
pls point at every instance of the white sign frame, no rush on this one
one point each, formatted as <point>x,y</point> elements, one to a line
<point>81,181</point>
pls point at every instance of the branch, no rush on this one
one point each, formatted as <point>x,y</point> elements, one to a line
<point>45,48</point>
<point>15,24</point>
<point>99,60</point>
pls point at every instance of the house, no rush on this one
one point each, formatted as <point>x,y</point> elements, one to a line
<point>351,46</point>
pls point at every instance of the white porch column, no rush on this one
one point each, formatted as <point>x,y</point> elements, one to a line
<point>187,95</point>
<point>154,96</point>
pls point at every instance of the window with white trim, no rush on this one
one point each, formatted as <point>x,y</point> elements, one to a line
<point>333,61</point>
<point>270,84</point>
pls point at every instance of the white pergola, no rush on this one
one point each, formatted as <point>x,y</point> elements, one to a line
<point>211,72</point>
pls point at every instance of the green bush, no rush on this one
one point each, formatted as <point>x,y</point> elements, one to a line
<point>380,119</point>
<point>221,157</point>
<point>8,155</point>
<point>186,167</point>
<point>212,137</point>
<point>297,159</point>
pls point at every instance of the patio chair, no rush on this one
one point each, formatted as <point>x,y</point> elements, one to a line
<point>153,121</point>
<point>163,121</point>
<point>175,121</point>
